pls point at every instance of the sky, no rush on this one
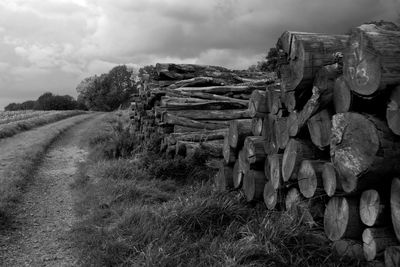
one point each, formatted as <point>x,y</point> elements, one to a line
<point>51,45</point>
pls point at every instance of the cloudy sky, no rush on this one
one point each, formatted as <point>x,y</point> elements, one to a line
<point>51,45</point>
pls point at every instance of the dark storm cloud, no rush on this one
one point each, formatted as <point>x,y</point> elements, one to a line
<point>53,44</point>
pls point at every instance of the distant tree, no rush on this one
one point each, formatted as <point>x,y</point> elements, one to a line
<point>11,107</point>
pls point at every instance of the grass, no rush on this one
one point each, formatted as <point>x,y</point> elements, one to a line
<point>143,210</point>
<point>27,154</point>
<point>15,127</point>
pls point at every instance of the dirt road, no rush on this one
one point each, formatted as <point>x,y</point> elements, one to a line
<point>39,233</point>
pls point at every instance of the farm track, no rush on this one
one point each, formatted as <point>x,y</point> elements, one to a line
<point>42,221</point>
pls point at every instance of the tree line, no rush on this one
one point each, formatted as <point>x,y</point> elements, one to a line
<point>105,92</point>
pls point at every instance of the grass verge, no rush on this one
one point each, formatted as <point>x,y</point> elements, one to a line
<point>13,128</point>
<point>15,176</point>
<point>143,210</point>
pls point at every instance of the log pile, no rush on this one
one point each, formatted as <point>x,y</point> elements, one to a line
<point>321,142</point>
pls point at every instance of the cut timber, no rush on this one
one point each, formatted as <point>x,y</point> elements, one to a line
<point>392,256</point>
<point>180,104</point>
<point>175,120</point>
<point>349,248</point>
<point>363,147</point>
<point>199,136</point>
<point>376,240</point>
<point>341,96</point>
<point>281,132</point>
<point>319,127</point>
<point>210,148</point>
<point>196,81</point>
<point>238,131</point>
<point>207,96</point>
<point>237,175</point>
<point>393,111</point>
<point>309,52</point>
<point>253,185</point>
<point>244,165</point>
<point>229,114</point>
<point>256,126</point>
<point>296,151</point>
<point>292,124</point>
<point>373,209</point>
<point>224,178</point>
<point>372,61</point>
<point>257,107</point>
<point>298,206</point>
<point>395,206</point>
<point>221,90</point>
<point>182,129</point>
<point>254,146</point>
<point>229,153</point>
<point>310,177</point>
<point>289,100</point>
<point>330,180</point>
<point>342,219</point>
<point>272,99</point>
<point>325,81</point>
<point>270,195</point>
<point>272,170</point>
<point>268,133</point>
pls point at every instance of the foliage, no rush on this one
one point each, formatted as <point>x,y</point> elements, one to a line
<point>108,91</point>
<point>47,101</point>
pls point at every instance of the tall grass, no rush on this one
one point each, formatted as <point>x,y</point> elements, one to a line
<point>143,210</point>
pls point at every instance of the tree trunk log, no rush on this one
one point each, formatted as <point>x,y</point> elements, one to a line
<point>224,115</point>
<point>224,178</point>
<point>342,219</point>
<point>372,61</point>
<point>256,126</point>
<point>319,127</point>
<point>376,240</point>
<point>310,177</point>
<point>182,129</point>
<point>363,147</point>
<point>374,211</point>
<point>349,248</point>
<point>393,111</point>
<point>395,206</point>
<point>238,131</point>
<point>174,120</point>
<point>272,170</point>
<point>222,90</point>
<point>199,104</point>
<point>257,107</point>
<point>298,206</point>
<point>254,146</point>
<point>200,136</point>
<point>330,180</point>
<point>207,96</point>
<point>253,185</point>
<point>273,99</point>
<point>230,155</point>
<point>341,96</point>
<point>268,133</point>
<point>296,151</point>
<point>270,195</point>
<point>392,256</point>
<point>281,132</point>
<point>237,175</point>
<point>244,165</point>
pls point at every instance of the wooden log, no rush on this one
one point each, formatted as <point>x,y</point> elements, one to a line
<point>208,96</point>
<point>330,180</point>
<point>319,127</point>
<point>309,52</point>
<point>200,104</point>
<point>222,90</point>
<point>289,101</point>
<point>392,256</point>
<point>281,132</point>
<point>257,107</point>
<point>395,206</point>
<point>352,249</point>
<point>238,131</point>
<point>224,178</point>
<point>341,219</point>
<point>170,152</point>
<point>298,206</point>
<point>254,146</point>
<point>362,147</point>
<point>256,126</point>
<point>376,240</point>
<point>371,62</point>
<point>175,120</point>
<point>199,136</point>
<point>269,135</point>
<point>270,195</point>
<point>253,185</point>
<point>213,148</point>
<point>272,170</point>
<point>230,156</point>
<point>182,129</point>
<point>296,151</point>
<point>341,96</point>
<point>244,165</point>
<point>393,111</point>
<point>374,211</point>
<point>237,175</point>
<point>229,114</point>
<point>196,81</point>
<point>272,102</point>
<point>292,124</point>
<point>310,177</point>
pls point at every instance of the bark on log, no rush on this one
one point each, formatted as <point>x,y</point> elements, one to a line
<point>244,165</point>
<point>224,178</point>
<point>349,248</point>
<point>256,126</point>
<point>363,147</point>
<point>238,131</point>
<point>237,175</point>
<point>289,100</point>
<point>395,206</point>
<point>341,95</point>
<point>253,185</point>
<point>230,155</point>
<point>376,240</point>
<point>207,96</point>
<point>310,177</point>
<point>200,104</point>
<point>393,111</point>
<point>298,206</point>
<point>372,61</point>
<point>270,195</point>
<point>330,180</point>
<point>292,124</point>
<point>374,211</point>
<point>257,106</point>
<point>319,127</point>
<point>199,136</point>
<point>222,90</point>
<point>175,120</point>
<point>272,170</point>
<point>268,133</point>
<point>196,81</point>
<point>182,129</point>
<point>341,219</point>
<point>392,256</point>
<point>309,52</point>
<point>296,151</point>
<point>281,132</point>
<point>254,146</point>
<point>229,114</point>
<point>273,99</point>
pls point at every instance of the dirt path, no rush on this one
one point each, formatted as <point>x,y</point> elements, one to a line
<point>44,218</point>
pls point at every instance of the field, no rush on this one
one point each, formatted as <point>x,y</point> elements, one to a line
<point>12,116</point>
